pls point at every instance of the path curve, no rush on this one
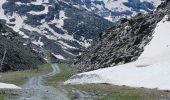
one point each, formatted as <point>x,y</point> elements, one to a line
<point>35,90</point>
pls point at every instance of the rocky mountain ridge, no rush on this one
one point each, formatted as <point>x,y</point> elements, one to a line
<point>55,25</point>
<point>15,56</point>
<point>67,27</point>
<point>122,43</point>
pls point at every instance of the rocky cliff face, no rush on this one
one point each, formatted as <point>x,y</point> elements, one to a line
<point>14,55</point>
<point>122,43</point>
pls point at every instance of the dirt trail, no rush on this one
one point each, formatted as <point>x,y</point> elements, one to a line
<point>35,90</point>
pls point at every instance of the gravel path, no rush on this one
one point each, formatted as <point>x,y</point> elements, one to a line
<point>35,90</point>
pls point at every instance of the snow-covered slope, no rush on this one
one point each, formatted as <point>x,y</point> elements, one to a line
<point>8,86</point>
<point>67,27</point>
<point>151,70</point>
<point>113,10</point>
<point>53,24</point>
<point>158,49</point>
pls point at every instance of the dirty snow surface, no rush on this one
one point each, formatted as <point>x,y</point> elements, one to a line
<point>8,86</point>
<point>151,70</point>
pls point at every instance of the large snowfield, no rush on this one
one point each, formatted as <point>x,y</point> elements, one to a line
<point>8,86</point>
<point>151,70</point>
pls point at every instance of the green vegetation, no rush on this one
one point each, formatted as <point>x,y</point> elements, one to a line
<point>100,91</point>
<point>1,97</point>
<point>61,77</point>
<point>19,77</point>
<point>105,91</point>
<point>56,81</point>
<point>8,94</point>
<point>110,92</point>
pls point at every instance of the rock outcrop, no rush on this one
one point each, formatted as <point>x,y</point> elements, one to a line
<point>15,56</point>
<point>122,43</point>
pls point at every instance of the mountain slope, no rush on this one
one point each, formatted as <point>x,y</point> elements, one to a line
<point>122,43</point>
<point>67,27</point>
<point>113,10</point>
<point>53,24</point>
<point>151,70</point>
<point>14,55</point>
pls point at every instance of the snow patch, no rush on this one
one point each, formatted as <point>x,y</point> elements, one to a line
<point>151,70</point>
<point>38,2</point>
<point>8,86</point>
<point>65,45</point>
<point>59,56</point>
<point>2,10</point>
<point>62,17</point>
<point>158,49</point>
<point>39,43</point>
<point>19,21</point>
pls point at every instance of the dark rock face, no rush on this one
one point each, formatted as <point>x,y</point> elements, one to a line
<point>17,56</point>
<point>122,43</point>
